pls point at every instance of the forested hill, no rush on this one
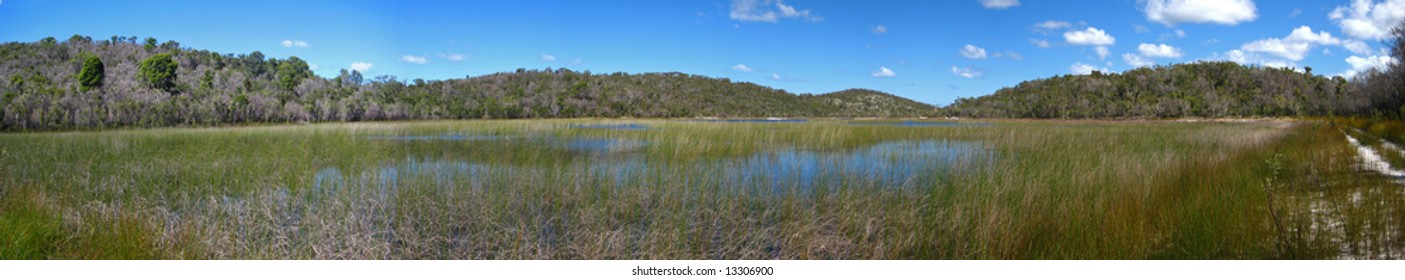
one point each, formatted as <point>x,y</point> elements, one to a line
<point>84,83</point>
<point>1202,89</point>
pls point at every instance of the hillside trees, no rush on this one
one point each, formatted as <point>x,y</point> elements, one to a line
<point>42,82</point>
<point>159,71</point>
<point>291,72</point>
<point>1202,89</point>
<point>92,73</point>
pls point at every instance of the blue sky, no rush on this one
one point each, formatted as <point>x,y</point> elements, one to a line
<point>930,51</point>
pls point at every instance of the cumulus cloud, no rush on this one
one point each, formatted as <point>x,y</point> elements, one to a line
<point>1363,64</point>
<point>1357,47</point>
<point>1102,52</point>
<point>880,29</point>
<point>743,68</point>
<point>973,52</point>
<point>1250,58</point>
<point>1295,46</point>
<point>548,58</point>
<point>312,66</point>
<point>1160,50</point>
<point>967,72</point>
<point>361,66</point>
<point>768,11</point>
<point>1367,20</point>
<point>1136,60</point>
<point>999,4</point>
<point>1226,12</point>
<point>414,59</point>
<point>1084,69</point>
<point>1089,37</point>
<point>884,72</point>
<point>288,43</point>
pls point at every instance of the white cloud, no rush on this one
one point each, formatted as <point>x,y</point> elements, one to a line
<point>1014,55</point>
<point>1084,69</point>
<point>1089,37</point>
<point>1295,46</point>
<point>454,56</point>
<point>312,66</point>
<point>767,11</point>
<point>973,52</point>
<point>999,4</point>
<point>1043,44</point>
<point>1102,52</point>
<point>1136,61</point>
<point>1050,26</point>
<point>1161,50</point>
<point>1357,47</point>
<point>1180,33</point>
<point>967,72</point>
<point>288,43</point>
<point>548,58</point>
<point>880,29</point>
<point>361,66</point>
<point>414,59</point>
<point>1368,20</point>
<point>1138,28</point>
<point>884,72</point>
<point>743,68</point>
<point>1250,58</point>
<point>775,76</point>
<point>1226,12</point>
<point>1363,64</point>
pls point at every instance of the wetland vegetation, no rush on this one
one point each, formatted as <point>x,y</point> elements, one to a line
<point>676,189</point>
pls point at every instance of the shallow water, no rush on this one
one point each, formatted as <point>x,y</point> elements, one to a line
<point>625,162</point>
<point>922,124</point>
<point>757,121</point>
<point>628,126</point>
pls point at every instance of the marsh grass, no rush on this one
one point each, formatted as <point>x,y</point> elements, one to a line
<point>1034,190</point>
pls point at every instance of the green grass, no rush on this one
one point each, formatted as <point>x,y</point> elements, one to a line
<point>1045,190</point>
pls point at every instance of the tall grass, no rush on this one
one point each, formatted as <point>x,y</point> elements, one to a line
<point>1042,190</point>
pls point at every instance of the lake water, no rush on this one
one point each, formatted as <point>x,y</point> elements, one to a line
<point>625,163</point>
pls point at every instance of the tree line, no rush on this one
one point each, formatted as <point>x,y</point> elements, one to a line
<point>1201,89</point>
<point>82,83</point>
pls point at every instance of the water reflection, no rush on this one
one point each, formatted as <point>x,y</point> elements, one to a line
<point>624,163</point>
<point>444,137</point>
<point>767,120</point>
<point>627,126</point>
<point>922,124</point>
<point>902,164</point>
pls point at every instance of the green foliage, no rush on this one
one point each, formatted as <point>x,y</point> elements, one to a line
<point>291,72</point>
<point>233,88</point>
<point>159,72</point>
<point>1202,89</point>
<point>150,44</point>
<point>207,81</point>
<point>91,74</point>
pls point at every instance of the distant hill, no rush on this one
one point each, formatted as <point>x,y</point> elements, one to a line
<point>43,90</point>
<point>1202,89</point>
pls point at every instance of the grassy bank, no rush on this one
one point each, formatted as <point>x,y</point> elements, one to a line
<point>661,189</point>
